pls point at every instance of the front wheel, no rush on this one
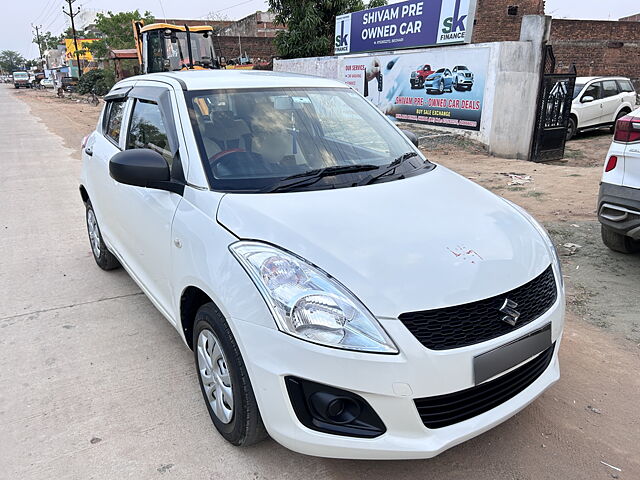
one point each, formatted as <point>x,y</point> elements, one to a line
<point>618,242</point>
<point>224,380</point>
<point>572,128</point>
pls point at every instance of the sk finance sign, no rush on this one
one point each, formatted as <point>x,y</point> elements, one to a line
<point>410,24</point>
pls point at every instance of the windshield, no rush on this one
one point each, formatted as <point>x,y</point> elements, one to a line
<point>441,70</point>
<point>577,89</point>
<point>21,75</point>
<point>462,67</point>
<point>176,50</point>
<point>252,138</point>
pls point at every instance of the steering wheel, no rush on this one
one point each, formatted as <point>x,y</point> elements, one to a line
<point>218,157</point>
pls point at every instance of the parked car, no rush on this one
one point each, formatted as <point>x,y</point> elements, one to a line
<point>439,81</point>
<point>600,102</point>
<point>419,75</point>
<point>462,78</point>
<point>69,84</point>
<point>253,209</point>
<point>21,79</point>
<point>619,198</point>
<point>47,83</point>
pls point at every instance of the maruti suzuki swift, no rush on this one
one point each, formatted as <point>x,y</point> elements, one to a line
<point>341,293</point>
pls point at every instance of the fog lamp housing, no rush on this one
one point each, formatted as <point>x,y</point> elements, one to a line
<point>332,410</point>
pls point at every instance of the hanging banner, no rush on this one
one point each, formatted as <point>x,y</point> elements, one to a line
<point>429,87</point>
<point>409,24</point>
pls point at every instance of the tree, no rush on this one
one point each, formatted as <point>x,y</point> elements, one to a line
<point>310,24</point>
<point>48,41</point>
<point>11,61</point>
<point>116,31</point>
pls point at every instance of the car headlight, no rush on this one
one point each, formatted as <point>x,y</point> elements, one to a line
<point>308,303</point>
<point>544,234</point>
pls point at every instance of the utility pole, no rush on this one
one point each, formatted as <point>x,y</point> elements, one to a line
<point>72,15</point>
<point>39,43</point>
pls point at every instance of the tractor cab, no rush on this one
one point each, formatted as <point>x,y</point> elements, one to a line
<point>163,47</point>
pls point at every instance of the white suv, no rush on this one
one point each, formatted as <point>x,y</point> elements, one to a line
<point>338,290</point>
<point>619,199</point>
<point>600,102</point>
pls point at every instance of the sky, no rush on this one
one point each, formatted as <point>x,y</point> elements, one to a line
<point>16,34</point>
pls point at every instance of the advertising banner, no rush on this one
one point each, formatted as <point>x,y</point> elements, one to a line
<point>429,87</point>
<point>85,54</point>
<point>409,24</point>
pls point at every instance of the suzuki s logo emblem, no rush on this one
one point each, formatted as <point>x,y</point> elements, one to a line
<point>511,315</point>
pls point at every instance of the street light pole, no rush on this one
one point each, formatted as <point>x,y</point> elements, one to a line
<point>71,15</point>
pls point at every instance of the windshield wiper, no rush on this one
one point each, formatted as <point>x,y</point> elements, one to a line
<point>389,168</point>
<point>312,176</point>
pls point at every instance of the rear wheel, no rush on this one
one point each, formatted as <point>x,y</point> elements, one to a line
<point>103,257</point>
<point>224,381</point>
<point>618,242</point>
<point>618,117</point>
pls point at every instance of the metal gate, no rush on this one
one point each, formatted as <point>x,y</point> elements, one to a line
<point>554,106</point>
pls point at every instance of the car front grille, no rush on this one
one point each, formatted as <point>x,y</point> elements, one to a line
<point>471,323</point>
<point>444,410</point>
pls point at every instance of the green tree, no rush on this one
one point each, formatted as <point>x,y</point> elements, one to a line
<point>48,41</point>
<point>116,31</point>
<point>310,24</point>
<point>11,61</point>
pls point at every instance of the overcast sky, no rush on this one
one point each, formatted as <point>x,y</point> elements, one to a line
<point>16,33</point>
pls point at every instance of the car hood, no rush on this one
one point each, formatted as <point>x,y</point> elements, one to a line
<point>428,241</point>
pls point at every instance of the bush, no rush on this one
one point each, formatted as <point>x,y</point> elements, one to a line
<point>98,81</point>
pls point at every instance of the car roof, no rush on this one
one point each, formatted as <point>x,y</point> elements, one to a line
<point>589,79</point>
<point>231,79</point>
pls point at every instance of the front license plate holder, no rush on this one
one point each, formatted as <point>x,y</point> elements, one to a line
<point>505,357</point>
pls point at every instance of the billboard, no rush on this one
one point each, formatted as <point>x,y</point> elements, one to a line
<point>85,54</point>
<point>429,87</point>
<point>409,24</point>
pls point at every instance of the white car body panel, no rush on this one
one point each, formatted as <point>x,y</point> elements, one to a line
<point>428,241</point>
<point>447,253</point>
<point>632,161</point>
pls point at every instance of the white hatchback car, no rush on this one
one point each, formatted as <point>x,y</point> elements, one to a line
<point>619,199</point>
<point>600,102</point>
<point>340,292</point>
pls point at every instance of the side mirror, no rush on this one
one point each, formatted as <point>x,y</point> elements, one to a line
<point>143,168</point>
<point>587,99</point>
<point>413,138</point>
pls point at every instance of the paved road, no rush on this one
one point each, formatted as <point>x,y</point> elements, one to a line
<point>94,383</point>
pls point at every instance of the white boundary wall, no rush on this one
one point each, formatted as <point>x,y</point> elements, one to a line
<point>511,86</point>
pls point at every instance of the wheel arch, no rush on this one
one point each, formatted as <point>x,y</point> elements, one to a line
<point>191,300</point>
<point>84,194</point>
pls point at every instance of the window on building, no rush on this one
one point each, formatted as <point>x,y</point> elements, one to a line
<point>147,129</point>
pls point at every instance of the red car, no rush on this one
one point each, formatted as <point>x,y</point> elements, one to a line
<point>419,75</point>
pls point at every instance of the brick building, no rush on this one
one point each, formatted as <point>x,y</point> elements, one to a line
<point>499,20</point>
<point>597,47</point>
<point>258,24</point>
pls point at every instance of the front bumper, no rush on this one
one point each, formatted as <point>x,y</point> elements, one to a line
<point>619,209</point>
<point>465,81</point>
<point>388,383</point>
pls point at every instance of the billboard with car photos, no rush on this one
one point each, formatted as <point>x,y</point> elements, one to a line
<point>408,24</point>
<point>432,87</point>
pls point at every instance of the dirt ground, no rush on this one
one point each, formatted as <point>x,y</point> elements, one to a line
<point>590,420</point>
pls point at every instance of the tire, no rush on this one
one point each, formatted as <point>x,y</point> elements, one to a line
<point>618,242</point>
<point>620,114</point>
<point>572,128</point>
<point>101,254</point>
<point>441,87</point>
<point>239,422</point>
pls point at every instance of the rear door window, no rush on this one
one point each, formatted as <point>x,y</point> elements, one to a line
<point>113,119</point>
<point>609,88</point>
<point>147,130</point>
<point>625,86</point>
